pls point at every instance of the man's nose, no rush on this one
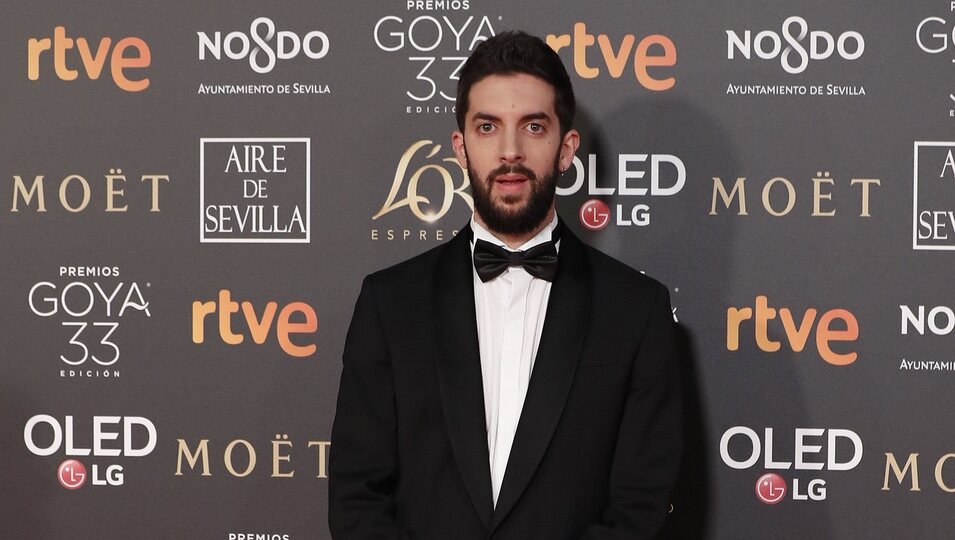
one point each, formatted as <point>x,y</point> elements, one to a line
<point>512,150</point>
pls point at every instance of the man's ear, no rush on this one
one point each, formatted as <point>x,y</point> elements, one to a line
<point>568,147</point>
<point>457,142</point>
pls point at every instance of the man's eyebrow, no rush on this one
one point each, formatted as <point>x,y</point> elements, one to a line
<point>491,118</point>
<point>485,116</point>
<point>536,116</point>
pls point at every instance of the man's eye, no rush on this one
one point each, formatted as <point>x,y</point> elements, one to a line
<point>535,127</point>
<point>485,127</point>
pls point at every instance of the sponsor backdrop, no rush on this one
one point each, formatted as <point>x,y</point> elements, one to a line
<point>190,197</point>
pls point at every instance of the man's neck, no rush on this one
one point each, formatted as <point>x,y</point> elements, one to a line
<point>515,241</point>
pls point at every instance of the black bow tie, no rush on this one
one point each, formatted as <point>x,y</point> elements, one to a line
<point>539,261</point>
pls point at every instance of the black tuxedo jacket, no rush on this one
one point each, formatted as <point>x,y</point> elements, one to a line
<point>598,442</point>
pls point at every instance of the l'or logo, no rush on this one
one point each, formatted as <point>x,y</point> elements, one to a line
<point>72,474</point>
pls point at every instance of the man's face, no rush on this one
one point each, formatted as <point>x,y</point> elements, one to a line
<point>512,149</point>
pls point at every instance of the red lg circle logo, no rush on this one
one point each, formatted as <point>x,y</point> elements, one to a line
<point>72,474</point>
<point>771,488</point>
<point>595,214</point>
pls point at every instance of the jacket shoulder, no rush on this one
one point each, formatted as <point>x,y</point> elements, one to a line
<point>418,268</point>
<point>611,270</point>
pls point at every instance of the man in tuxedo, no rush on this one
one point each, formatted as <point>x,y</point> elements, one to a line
<point>512,383</point>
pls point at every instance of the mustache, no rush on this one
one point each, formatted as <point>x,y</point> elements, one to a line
<point>512,169</point>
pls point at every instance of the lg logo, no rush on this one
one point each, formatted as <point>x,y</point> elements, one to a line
<point>771,488</point>
<point>72,474</point>
<point>595,214</point>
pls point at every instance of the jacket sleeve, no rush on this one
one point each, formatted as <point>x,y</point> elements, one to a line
<point>647,454</point>
<point>363,466</point>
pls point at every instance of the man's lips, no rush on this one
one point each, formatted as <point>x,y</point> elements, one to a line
<point>512,178</point>
<point>511,183</point>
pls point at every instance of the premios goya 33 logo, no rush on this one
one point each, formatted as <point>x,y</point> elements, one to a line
<point>90,302</point>
<point>936,36</point>
<point>436,47</point>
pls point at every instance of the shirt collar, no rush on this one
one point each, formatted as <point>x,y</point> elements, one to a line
<point>543,236</point>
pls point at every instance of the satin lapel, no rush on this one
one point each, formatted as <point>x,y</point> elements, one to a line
<point>565,323</point>
<point>459,370</point>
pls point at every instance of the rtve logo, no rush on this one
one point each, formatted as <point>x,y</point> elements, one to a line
<point>616,60</point>
<point>92,60</point>
<point>827,329</point>
<point>259,325</point>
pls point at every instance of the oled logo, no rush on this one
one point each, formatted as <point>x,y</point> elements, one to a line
<point>72,474</point>
<point>742,447</point>
<point>771,488</point>
<point>255,190</point>
<point>109,439</point>
<point>655,52</point>
<point>429,187</point>
<point>129,53</point>
<point>436,47</point>
<point>638,175</point>
<point>933,194</point>
<point>595,214</point>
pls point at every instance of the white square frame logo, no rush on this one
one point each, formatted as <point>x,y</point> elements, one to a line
<point>308,190</point>
<point>915,195</point>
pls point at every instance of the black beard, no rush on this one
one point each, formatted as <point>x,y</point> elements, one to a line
<point>500,219</point>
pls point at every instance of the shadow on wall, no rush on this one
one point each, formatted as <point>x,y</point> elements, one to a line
<point>679,245</point>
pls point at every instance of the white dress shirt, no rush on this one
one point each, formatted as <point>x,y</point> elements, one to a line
<point>510,318</point>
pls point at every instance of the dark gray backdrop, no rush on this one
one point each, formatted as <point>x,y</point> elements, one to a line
<point>358,128</point>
